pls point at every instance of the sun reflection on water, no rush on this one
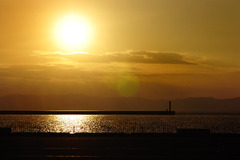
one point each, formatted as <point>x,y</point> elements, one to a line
<point>71,123</point>
<point>118,123</point>
<point>71,118</point>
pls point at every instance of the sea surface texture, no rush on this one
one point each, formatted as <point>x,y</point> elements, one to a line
<point>120,123</point>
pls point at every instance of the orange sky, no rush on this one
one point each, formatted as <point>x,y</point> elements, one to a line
<point>138,48</point>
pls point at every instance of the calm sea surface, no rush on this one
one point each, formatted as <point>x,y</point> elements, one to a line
<point>119,123</point>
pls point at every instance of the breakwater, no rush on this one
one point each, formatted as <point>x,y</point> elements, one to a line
<point>92,112</point>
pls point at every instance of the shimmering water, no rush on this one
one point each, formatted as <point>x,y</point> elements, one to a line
<point>119,123</point>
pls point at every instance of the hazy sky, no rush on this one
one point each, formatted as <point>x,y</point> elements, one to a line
<point>130,48</point>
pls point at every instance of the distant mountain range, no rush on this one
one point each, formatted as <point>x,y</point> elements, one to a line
<point>83,102</point>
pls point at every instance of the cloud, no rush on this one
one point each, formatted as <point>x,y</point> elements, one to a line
<point>47,53</point>
<point>156,57</point>
<point>145,57</point>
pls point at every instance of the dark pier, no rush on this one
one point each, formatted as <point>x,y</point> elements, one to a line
<point>92,112</point>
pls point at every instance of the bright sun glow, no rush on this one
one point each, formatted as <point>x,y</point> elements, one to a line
<point>73,32</point>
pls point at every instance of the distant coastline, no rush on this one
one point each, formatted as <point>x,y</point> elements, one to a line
<point>193,105</point>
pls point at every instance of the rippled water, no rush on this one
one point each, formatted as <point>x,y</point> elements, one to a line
<point>119,123</point>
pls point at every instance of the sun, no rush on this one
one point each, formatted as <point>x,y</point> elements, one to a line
<point>73,32</point>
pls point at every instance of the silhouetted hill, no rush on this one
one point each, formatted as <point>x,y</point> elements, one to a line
<point>208,104</point>
<point>83,102</point>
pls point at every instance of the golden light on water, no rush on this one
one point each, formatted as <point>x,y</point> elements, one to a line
<point>71,123</point>
<point>70,118</point>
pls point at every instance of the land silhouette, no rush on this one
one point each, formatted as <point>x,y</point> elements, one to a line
<point>83,102</point>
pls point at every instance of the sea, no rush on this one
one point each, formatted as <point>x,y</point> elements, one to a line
<point>128,124</point>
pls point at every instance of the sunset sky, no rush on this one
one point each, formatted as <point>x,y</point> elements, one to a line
<point>120,48</point>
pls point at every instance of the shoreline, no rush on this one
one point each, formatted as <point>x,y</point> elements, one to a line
<point>119,147</point>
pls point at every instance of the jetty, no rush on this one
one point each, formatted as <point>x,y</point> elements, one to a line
<point>90,112</point>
